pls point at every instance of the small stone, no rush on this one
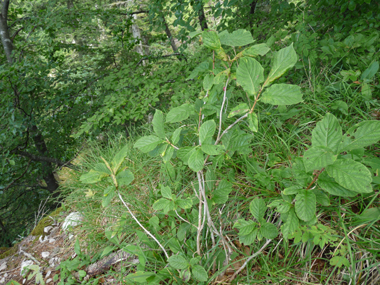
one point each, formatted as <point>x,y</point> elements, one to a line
<point>48,229</point>
<point>48,274</point>
<point>51,240</point>
<point>3,266</point>
<point>49,280</point>
<point>45,254</point>
<point>24,264</point>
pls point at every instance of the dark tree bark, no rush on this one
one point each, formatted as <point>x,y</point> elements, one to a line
<point>4,31</point>
<point>169,35</point>
<point>252,12</point>
<point>202,16</point>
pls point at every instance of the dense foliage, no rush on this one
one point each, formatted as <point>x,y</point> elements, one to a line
<point>265,109</point>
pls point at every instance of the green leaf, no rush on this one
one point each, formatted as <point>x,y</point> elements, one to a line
<point>366,91</point>
<point>108,195</point>
<point>282,94</point>
<point>208,82</point>
<point>196,160</point>
<point>184,203</point>
<point>178,114</point>
<point>148,143</point>
<point>339,261</point>
<point>163,204</point>
<point>211,149</point>
<point>158,124</point>
<point>291,224</point>
<point>139,277</point>
<point>166,192</point>
<point>245,227</point>
<point>105,252</point>
<point>119,158</point>
<point>124,177</point>
<point>168,154</point>
<point>176,136</point>
<point>253,122</point>
<point>249,75</point>
<point>258,208</point>
<point>184,153</point>
<point>199,273</point>
<point>327,133</point>
<point>370,72</point>
<point>253,51</point>
<point>207,130</point>
<point>351,175</point>
<point>367,133</point>
<point>102,168</point>
<point>283,60</point>
<point>203,66</point>
<point>306,205</point>
<point>240,109</point>
<point>220,195</point>
<point>77,247</point>
<point>250,238</point>
<point>318,157</point>
<point>195,33</point>
<point>269,231</point>
<point>341,106</point>
<point>178,262</point>
<point>211,40</point>
<point>329,185</point>
<point>236,39</point>
<point>292,190</point>
<point>92,177</point>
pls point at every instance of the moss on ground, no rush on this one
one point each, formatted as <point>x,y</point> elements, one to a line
<point>10,251</point>
<point>44,222</point>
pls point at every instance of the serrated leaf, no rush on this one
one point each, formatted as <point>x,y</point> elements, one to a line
<point>148,143</point>
<point>282,206</point>
<point>92,177</point>
<point>306,205</point>
<point>318,157</point>
<point>203,66</point>
<point>269,231</point>
<point>253,51</point>
<point>283,60</point>
<point>245,227</point>
<point>208,82</point>
<point>178,262</point>
<point>163,204</point>
<point>108,195</point>
<point>329,185</point>
<point>249,75</point>
<point>220,195</point>
<point>258,208</point>
<point>196,160</point>
<point>282,94</point>
<point>292,190</point>
<point>211,149</point>
<point>327,133</point>
<point>176,136</point>
<point>351,175</point>
<point>106,251</point>
<point>211,40</point>
<point>253,122</point>
<point>207,130</point>
<point>178,114</point>
<point>199,273</point>
<point>291,224</point>
<point>166,192</point>
<point>339,261</point>
<point>195,33</point>
<point>119,158</point>
<point>250,238</point>
<point>102,168</point>
<point>158,124</point>
<point>367,133</point>
<point>370,71</point>
<point>184,153</point>
<point>240,109</point>
<point>184,203</point>
<point>168,154</point>
<point>124,177</point>
<point>236,39</point>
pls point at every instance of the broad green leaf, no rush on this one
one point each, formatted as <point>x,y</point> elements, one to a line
<point>240,109</point>
<point>283,60</point>
<point>178,262</point>
<point>109,193</point>
<point>196,160</point>
<point>176,136</point>
<point>119,158</point>
<point>138,277</point>
<point>148,143</point>
<point>207,130</point>
<point>327,133</point>
<point>291,224</point>
<point>269,231</point>
<point>341,106</point>
<point>250,238</point>
<point>258,208</point>
<point>178,114</point>
<point>339,261</point>
<point>92,177</point>
<point>366,91</point>
<point>195,33</point>
<point>318,157</point>
<point>211,149</point>
<point>329,185</point>
<point>211,40</point>
<point>253,122</point>
<point>322,198</point>
<point>102,168</point>
<point>158,124</point>
<point>306,205</point>
<point>292,190</point>
<point>166,192</point>
<point>124,177</point>
<point>253,51</point>
<point>199,273</point>
<point>351,175</point>
<point>367,133</point>
<point>236,39</point>
<point>282,94</point>
<point>220,195</point>
<point>184,203</point>
<point>282,206</point>
<point>106,251</point>
<point>208,82</point>
<point>203,66</point>
<point>245,227</point>
<point>168,154</point>
<point>249,75</point>
<point>370,72</point>
<point>184,153</point>
<point>163,204</point>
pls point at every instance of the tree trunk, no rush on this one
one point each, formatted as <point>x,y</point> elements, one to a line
<point>169,35</point>
<point>4,31</point>
<point>202,16</point>
<point>252,12</point>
